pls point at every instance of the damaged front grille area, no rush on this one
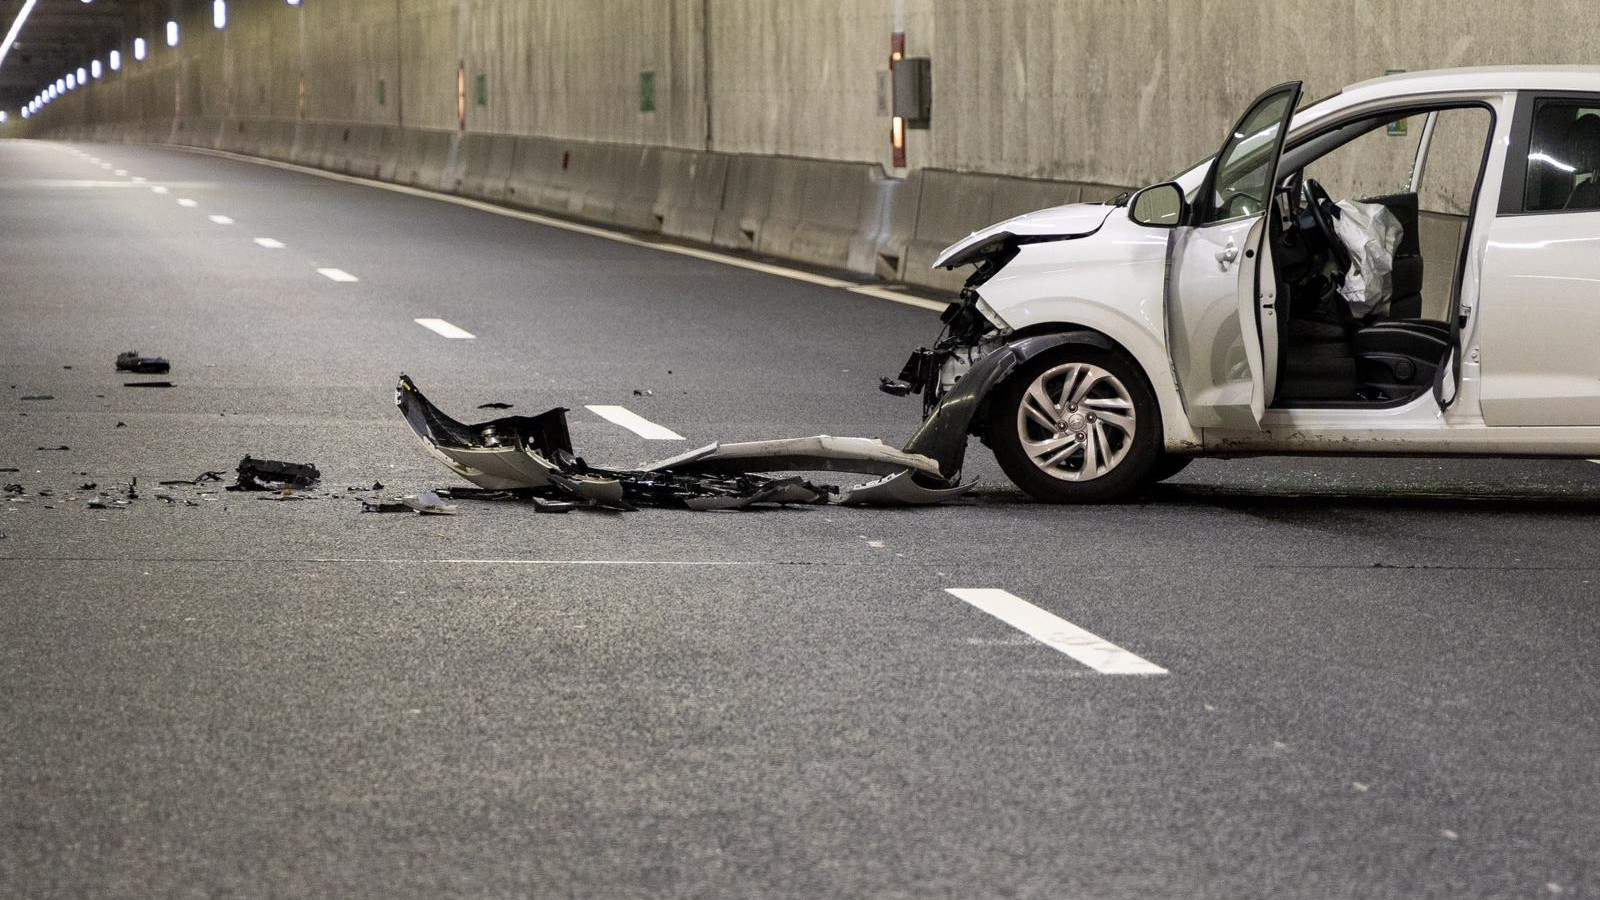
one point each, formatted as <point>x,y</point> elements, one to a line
<point>531,457</point>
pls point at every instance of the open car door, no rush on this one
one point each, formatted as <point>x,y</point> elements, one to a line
<point>1221,288</point>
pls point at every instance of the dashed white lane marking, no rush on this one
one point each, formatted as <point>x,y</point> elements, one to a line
<point>444,329</point>
<point>158,189</point>
<point>187,203</point>
<point>876,291</point>
<point>270,243</point>
<point>120,172</point>
<point>221,220</point>
<point>635,423</point>
<point>105,165</point>
<point>337,275</point>
<point>139,180</point>
<point>1093,651</point>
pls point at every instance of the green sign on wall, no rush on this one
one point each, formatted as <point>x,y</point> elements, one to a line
<point>1395,129</point>
<point>647,92</point>
<point>481,89</point>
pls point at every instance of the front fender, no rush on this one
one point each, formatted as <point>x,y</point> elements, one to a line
<point>943,435</point>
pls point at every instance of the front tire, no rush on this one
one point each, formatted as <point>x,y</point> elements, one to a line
<point>1077,424</point>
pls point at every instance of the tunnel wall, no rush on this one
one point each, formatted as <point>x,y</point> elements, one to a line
<point>765,129</point>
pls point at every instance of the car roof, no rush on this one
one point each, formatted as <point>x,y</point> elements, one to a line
<point>1481,78</point>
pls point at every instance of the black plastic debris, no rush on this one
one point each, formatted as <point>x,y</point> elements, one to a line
<point>131,361</point>
<point>385,506</point>
<point>37,397</point>
<point>9,469</point>
<point>89,486</point>
<point>62,447</point>
<point>495,405</point>
<point>147,384</point>
<point>202,478</point>
<point>273,475</point>
<point>122,425</point>
<point>14,488</point>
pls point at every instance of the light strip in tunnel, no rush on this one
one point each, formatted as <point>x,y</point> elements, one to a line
<point>16,26</point>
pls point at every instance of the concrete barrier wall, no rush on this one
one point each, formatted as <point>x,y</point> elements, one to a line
<point>759,124</point>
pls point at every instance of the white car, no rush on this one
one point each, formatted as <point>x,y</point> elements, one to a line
<point>1449,306</point>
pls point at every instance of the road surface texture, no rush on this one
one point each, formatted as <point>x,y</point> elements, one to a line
<point>1362,678</point>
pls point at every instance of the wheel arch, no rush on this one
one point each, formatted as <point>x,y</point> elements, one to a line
<point>1151,361</point>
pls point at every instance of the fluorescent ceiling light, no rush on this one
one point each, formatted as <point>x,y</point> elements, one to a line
<point>116,60</point>
<point>138,48</point>
<point>172,33</point>
<point>16,26</point>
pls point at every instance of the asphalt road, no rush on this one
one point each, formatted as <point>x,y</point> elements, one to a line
<point>1380,675</point>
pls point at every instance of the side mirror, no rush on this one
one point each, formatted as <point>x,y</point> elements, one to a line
<point>1159,206</point>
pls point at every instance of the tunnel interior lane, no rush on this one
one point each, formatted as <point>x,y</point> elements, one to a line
<point>1377,673</point>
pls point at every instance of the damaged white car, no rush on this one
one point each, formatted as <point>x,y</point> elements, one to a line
<point>1409,267</point>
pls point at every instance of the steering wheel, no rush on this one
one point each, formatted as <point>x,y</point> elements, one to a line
<point>1315,198</point>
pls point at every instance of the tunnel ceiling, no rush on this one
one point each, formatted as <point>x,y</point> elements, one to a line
<point>59,36</point>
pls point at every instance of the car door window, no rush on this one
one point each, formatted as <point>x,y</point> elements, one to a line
<point>1563,157</point>
<point>1249,158</point>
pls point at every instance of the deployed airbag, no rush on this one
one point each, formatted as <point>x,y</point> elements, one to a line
<point>1371,233</point>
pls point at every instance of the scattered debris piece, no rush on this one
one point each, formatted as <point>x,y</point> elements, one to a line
<point>495,405</point>
<point>429,503</point>
<point>272,475</point>
<point>62,447</point>
<point>147,384</point>
<point>66,367</point>
<point>132,491</point>
<point>532,457</point>
<point>37,397</point>
<point>639,393</point>
<point>385,506</point>
<point>10,469</point>
<point>202,478</point>
<point>101,502</point>
<point>89,486</point>
<point>122,425</point>
<point>14,488</point>
<point>131,361</point>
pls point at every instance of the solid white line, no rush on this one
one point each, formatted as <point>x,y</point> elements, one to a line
<point>337,274</point>
<point>620,237</point>
<point>221,220</point>
<point>1052,630</point>
<point>187,203</point>
<point>635,423</point>
<point>270,243</point>
<point>539,562</point>
<point>158,189</point>
<point>444,329</point>
<point>897,297</point>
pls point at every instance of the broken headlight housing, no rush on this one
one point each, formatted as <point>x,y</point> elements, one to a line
<point>971,330</point>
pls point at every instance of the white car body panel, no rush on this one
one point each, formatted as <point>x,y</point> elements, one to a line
<point>1541,320</point>
<point>1115,281</point>
<point>1074,219</point>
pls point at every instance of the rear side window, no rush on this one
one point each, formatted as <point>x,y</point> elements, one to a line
<point>1563,157</point>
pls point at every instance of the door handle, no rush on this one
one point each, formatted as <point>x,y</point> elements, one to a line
<point>1227,255</point>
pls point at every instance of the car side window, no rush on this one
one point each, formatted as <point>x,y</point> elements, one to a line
<point>1248,161</point>
<point>1563,157</point>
